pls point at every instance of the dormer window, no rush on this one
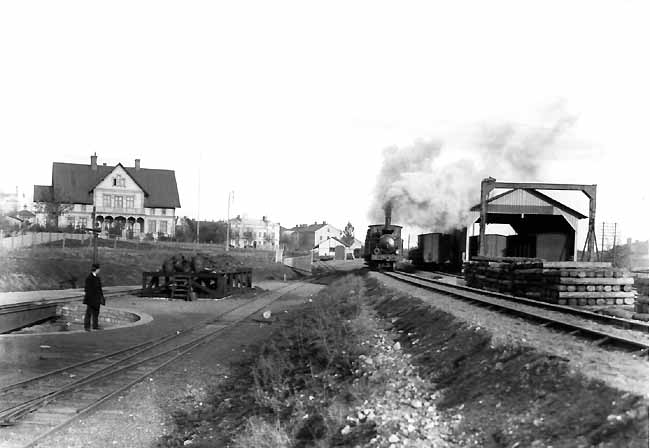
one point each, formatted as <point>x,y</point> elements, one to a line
<point>119,181</point>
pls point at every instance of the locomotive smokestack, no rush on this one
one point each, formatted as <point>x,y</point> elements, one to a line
<point>388,211</point>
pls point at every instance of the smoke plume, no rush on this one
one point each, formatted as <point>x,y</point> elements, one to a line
<point>434,193</point>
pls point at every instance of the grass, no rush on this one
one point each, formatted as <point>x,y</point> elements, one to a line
<point>54,267</point>
<point>295,388</point>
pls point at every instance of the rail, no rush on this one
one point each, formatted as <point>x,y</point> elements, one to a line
<point>111,374</point>
<point>555,314</point>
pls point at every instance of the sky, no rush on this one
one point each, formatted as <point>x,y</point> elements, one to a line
<point>292,104</point>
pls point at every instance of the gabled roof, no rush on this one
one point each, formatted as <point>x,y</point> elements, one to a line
<point>309,228</point>
<point>22,215</point>
<point>127,172</point>
<point>537,194</point>
<point>73,183</point>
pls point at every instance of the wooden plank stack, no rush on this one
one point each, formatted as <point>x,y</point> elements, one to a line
<point>564,283</point>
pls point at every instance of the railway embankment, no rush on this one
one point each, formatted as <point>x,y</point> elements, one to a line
<point>367,363</point>
<point>506,386</point>
<point>55,267</point>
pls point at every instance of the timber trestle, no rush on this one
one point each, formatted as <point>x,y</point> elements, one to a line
<point>190,285</point>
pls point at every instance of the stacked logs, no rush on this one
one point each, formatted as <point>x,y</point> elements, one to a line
<point>576,283</point>
<point>563,283</point>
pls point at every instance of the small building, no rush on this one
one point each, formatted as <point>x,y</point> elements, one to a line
<point>306,237</point>
<point>257,233</point>
<point>129,201</point>
<point>542,227</point>
<point>329,247</point>
<point>22,218</point>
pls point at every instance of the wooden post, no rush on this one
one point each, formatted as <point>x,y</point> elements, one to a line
<point>487,185</point>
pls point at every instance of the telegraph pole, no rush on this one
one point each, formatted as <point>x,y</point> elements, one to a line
<point>95,233</point>
<point>228,221</point>
<point>198,206</point>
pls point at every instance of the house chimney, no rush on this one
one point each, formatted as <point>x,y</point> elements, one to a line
<point>137,164</point>
<point>93,162</point>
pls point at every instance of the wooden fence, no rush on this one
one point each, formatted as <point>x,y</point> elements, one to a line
<point>301,263</point>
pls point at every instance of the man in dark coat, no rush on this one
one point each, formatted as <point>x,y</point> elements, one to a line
<point>93,298</point>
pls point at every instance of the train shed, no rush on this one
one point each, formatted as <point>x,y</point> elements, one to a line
<point>545,228</point>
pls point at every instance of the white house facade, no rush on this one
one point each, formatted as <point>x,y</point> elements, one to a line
<point>256,233</point>
<point>128,201</point>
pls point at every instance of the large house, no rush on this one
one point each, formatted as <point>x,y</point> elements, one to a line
<point>307,237</point>
<point>258,233</point>
<point>128,200</point>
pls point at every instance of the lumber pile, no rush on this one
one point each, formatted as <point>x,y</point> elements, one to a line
<point>641,303</point>
<point>563,283</point>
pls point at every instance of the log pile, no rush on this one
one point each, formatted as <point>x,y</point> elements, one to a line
<point>563,283</point>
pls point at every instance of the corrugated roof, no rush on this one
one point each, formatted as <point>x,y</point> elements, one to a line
<point>549,200</point>
<point>73,183</point>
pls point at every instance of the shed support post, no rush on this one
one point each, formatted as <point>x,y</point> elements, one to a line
<point>487,185</point>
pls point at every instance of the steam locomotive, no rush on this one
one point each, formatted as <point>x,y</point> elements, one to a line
<point>383,246</point>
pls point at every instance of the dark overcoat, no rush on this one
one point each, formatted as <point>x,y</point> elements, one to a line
<point>94,296</point>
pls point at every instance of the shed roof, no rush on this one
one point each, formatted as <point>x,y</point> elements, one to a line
<point>526,200</point>
<point>72,182</point>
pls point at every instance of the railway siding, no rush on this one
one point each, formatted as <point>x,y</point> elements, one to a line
<point>621,370</point>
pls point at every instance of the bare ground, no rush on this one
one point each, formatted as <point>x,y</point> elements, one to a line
<point>487,380</point>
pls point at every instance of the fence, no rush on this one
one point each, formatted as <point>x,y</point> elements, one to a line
<point>302,263</point>
<point>28,239</point>
<point>31,239</point>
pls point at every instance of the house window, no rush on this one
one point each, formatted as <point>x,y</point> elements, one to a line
<point>152,226</point>
<point>119,181</point>
<point>83,207</point>
<point>163,227</point>
<point>119,201</point>
<point>107,200</point>
<point>129,202</point>
<point>70,221</point>
<point>83,222</point>
<point>163,211</point>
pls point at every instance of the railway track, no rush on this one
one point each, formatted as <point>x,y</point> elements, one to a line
<point>33,409</point>
<point>604,330</point>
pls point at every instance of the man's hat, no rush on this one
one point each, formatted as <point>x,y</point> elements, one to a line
<point>95,266</point>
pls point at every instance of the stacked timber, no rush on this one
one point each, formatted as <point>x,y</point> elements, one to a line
<point>641,303</point>
<point>508,275</point>
<point>587,283</point>
<point>564,283</point>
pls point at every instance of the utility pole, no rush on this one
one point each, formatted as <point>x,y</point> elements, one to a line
<point>95,233</point>
<point>198,206</point>
<point>228,221</point>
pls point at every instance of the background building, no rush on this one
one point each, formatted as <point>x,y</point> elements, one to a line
<point>306,237</point>
<point>257,233</point>
<point>129,201</point>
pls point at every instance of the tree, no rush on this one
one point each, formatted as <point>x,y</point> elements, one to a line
<point>348,234</point>
<point>53,209</point>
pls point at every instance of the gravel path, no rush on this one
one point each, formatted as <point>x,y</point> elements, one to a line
<point>620,370</point>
